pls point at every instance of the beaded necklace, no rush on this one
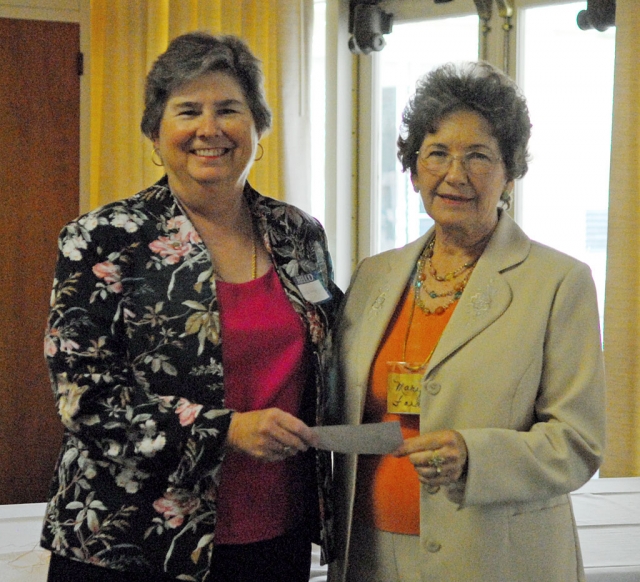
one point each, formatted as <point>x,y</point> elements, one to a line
<point>420,277</point>
<point>448,276</point>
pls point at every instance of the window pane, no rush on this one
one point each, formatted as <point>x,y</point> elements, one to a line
<point>412,50</point>
<point>567,77</point>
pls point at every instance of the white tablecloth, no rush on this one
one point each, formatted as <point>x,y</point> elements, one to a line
<point>607,513</point>
<point>21,559</point>
<point>608,516</point>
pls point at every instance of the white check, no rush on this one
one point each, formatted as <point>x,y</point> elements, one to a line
<point>378,438</point>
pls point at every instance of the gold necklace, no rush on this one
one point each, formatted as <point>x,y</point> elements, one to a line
<point>406,340</point>
<point>448,276</point>
<point>254,263</point>
<point>254,259</point>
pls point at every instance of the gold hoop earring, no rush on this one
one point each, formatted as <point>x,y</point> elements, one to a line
<point>261,153</point>
<point>156,153</point>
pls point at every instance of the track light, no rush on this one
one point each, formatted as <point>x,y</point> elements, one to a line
<point>367,24</point>
<point>600,14</point>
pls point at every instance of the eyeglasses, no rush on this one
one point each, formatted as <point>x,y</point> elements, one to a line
<point>475,163</point>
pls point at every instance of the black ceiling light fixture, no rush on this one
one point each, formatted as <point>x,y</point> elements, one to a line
<point>600,14</point>
<point>368,24</point>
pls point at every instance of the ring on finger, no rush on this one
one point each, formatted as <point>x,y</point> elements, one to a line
<point>286,450</point>
<point>437,461</point>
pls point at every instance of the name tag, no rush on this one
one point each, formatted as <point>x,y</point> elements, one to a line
<point>312,288</point>
<point>404,387</point>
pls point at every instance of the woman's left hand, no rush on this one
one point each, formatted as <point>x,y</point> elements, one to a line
<point>440,457</point>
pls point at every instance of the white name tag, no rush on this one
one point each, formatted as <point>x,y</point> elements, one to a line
<point>312,288</point>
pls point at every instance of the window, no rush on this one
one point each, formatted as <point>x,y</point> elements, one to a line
<point>567,77</point>
<point>401,215</point>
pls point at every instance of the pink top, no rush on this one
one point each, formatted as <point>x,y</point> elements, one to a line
<point>264,361</point>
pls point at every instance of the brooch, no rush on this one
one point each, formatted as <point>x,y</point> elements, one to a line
<point>481,302</point>
<point>378,302</point>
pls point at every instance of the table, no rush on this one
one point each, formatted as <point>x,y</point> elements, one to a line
<point>607,513</point>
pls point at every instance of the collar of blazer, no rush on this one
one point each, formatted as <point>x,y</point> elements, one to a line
<point>485,298</point>
<point>487,294</point>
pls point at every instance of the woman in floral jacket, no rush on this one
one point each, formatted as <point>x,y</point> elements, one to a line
<point>187,340</point>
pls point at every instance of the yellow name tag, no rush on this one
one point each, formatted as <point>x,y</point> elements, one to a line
<point>404,386</point>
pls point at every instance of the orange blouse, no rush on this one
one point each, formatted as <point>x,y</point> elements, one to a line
<point>388,490</point>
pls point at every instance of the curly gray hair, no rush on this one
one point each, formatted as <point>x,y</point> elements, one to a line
<point>473,86</point>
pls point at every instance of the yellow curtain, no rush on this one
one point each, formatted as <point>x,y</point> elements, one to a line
<point>128,35</point>
<point>622,310</point>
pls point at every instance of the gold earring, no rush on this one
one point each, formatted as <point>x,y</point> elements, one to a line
<point>261,153</point>
<point>156,153</point>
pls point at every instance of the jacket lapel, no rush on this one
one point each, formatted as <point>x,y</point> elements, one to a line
<point>487,294</point>
<point>273,220</point>
<point>391,280</point>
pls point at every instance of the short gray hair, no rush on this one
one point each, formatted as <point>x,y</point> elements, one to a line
<point>192,55</point>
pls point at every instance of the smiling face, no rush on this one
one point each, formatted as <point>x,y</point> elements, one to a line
<point>456,199</point>
<point>207,136</point>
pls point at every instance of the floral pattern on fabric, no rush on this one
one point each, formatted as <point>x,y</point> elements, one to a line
<point>135,357</point>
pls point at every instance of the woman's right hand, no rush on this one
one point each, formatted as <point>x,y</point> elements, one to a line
<point>269,435</point>
<point>439,457</point>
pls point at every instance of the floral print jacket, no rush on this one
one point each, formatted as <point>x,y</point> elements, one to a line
<point>135,358</point>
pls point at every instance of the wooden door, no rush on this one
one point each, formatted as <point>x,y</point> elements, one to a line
<point>39,193</point>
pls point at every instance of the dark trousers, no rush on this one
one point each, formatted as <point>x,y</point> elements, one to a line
<point>283,559</point>
<point>67,570</point>
<point>286,558</point>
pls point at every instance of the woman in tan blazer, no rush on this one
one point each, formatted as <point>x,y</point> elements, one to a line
<point>486,346</point>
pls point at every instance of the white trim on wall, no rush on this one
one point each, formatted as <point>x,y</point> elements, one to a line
<point>340,167</point>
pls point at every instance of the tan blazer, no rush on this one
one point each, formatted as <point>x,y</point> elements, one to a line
<point>519,372</point>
